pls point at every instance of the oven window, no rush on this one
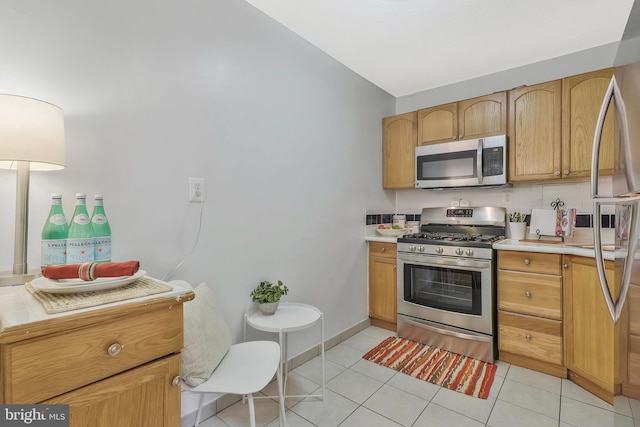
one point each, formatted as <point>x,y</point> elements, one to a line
<point>443,288</point>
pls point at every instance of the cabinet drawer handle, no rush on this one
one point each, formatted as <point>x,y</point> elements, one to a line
<point>176,381</point>
<point>383,249</point>
<point>114,349</point>
<point>526,261</point>
<point>527,337</point>
<point>527,294</point>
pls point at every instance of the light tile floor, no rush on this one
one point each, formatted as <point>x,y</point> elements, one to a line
<point>361,393</point>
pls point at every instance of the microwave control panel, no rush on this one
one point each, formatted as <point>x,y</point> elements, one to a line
<point>492,161</point>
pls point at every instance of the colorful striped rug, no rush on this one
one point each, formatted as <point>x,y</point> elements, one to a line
<point>451,370</point>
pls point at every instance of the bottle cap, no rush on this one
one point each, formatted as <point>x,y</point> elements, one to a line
<point>81,195</point>
<point>56,195</point>
<point>98,197</point>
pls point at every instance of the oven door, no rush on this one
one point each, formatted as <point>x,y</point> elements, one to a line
<point>448,290</point>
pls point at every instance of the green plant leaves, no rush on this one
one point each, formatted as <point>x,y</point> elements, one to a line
<point>268,292</point>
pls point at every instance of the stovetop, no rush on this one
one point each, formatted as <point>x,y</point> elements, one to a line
<point>450,238</point>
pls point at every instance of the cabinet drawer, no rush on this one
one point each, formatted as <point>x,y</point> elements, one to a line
<point>382,249</point>
<point>634,315</point>
<point>532,262</point>
<point>532,337</point>
<point>529,293</point>
<point>41,368</point>
<point>634,360</point>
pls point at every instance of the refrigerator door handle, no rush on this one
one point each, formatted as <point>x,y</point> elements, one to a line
<point>615,307</point>
<point>612,93</point>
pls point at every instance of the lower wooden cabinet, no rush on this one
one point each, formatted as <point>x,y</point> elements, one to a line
<point>530,315</point>
<point>117,366</point>
<point>631,387</point>
<point>595,346</point>
<point>382,285</point>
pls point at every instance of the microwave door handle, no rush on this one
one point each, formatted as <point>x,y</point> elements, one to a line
<point>479,160</point>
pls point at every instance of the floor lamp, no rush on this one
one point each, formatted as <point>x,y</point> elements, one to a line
<point>31,138</point>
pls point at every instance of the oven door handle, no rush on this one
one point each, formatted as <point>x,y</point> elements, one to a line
<point>445,262</point>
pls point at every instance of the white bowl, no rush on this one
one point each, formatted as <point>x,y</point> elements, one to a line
<point>391,232</point>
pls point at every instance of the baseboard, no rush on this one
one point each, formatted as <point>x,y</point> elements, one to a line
<point>215,405</point>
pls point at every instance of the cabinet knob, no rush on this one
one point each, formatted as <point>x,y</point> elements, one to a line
<point>566,172</point>
<point>114,349</point>
<point>565,266</point>
<point>527,294</point>
<point>527,337</point>
<point>382,249</point>
<point>526,261</point>
<point>556,173</point>
<point>395,267</point>
<point>460,136</point>
<point>176,381</point>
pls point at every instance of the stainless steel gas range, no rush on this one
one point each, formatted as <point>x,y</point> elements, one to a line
<point>447,280</point>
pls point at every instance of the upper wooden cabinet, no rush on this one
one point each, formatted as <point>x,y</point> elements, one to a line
<point>468,119</point>
<point>582,97</point>
<point>535,132</point>
<point>399,134</point>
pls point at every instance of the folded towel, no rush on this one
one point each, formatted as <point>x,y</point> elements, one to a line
<point>91,270</point>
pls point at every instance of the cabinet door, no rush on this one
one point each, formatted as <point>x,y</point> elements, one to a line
<point>146,396</point>
<point>535,132</point>
<point>593,342</point>
<point>582,97</point>
<point>399,135</point>
<point>483,116</point>
<point>438,124</point>
<point>382,288</point>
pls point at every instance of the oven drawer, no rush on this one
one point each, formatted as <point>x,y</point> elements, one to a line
<point>45,367</point>
<point>532,262</point>
<point>382,249</point>
<point>527,293</point>
<point>532,337</point>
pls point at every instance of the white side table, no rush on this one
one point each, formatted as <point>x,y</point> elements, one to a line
<point>290,317</point>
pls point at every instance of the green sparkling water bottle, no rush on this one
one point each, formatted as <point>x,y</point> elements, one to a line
<point>80,246</point>
<point>101,231</point>
<point>54,235</point>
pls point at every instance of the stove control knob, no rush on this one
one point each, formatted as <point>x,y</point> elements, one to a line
<point>412,248</point>
<point>469,252</point>
<point>439,250</point>
<point>459,251</point>
<point>421,248</point>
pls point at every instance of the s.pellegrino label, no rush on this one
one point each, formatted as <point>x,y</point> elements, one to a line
<point>54,235</point>
<point>80,244</point>
<point>101,231</point>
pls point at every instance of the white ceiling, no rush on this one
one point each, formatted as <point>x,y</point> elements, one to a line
<point>407,46</point>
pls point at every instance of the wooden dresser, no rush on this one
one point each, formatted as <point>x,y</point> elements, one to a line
<point>115,365</point>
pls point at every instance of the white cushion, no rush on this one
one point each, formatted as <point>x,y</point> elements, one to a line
<point>207,337</point>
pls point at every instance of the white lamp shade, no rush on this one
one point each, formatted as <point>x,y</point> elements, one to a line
<point>31,131</point>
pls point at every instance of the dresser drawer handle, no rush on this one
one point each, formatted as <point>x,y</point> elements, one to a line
<point>527,337</point>
<point>527,262</point>
<point>114,349</point>
<point>176,381</point>
<point>527,294</point>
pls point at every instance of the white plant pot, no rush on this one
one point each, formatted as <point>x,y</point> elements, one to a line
<point>268,308</point>
<point>517,230</point>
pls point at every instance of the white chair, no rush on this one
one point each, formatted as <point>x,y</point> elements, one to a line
<point>245,369</point>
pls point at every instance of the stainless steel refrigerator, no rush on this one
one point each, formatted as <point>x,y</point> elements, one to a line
<point>623,194</point>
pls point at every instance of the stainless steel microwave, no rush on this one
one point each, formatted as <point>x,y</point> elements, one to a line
<point>478,162</point>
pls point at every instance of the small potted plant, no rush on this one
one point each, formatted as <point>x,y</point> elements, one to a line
<point>268,295</point>
<point>517,225</point>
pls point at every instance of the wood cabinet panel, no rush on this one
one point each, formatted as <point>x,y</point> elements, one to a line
<point>483,116</point>
<point>535,140</point>
<point>532,262</point>
<point>582,97</point>
<point>143,397</point>
<point>537,338</point>
<point>399,135</point>
<point>634,360</point>
<point>533,294</point>
<point>382,283</point>
<point>438,124</point>
<point>44,367</point>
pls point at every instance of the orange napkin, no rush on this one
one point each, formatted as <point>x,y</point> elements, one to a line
<point>91,270</point>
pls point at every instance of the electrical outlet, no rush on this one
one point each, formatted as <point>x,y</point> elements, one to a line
<point>196,190</point>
